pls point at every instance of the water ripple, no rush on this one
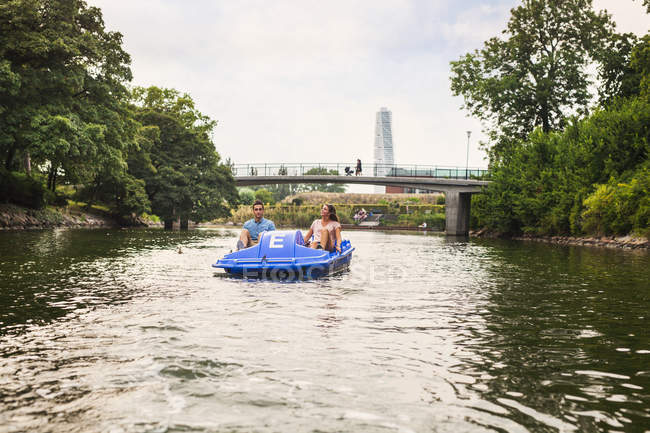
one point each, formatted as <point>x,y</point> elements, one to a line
<point>115,331</point>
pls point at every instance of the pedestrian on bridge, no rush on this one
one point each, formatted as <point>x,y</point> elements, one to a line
<point>357,172</point>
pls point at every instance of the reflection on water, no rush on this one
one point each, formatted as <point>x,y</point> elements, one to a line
<point>116,331</point>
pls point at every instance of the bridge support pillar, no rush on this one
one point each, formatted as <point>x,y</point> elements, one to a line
<point>457,207</point>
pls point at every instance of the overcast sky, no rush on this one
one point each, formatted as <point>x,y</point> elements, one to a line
<point>301,80</point>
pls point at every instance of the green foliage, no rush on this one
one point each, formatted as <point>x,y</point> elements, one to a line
<point>547,184</point>
<point>640,64</point>
<point>433,220</point>
<point>21,189</point>
<point>297,215</point>
<point>322,187</point>
<point>278,191</point>
<point>646,3</point>
<point>620,77</point>
<point>66,111</point>
<point>554,174</point>
<point>124,193</point>
<point>246,196</point>
<point>619,208</point>
<point>536,75</point>
<point>176,158</point>
<point>265,196</point>
<point>62,93</point>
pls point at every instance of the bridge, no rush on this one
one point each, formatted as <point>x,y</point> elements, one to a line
<point>458,184</point>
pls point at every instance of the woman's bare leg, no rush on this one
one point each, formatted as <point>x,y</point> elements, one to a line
<point>325,240</point>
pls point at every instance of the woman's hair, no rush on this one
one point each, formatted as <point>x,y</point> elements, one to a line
<point>332,212</point>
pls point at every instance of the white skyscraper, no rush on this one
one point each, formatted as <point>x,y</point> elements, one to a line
<point>383,144</point>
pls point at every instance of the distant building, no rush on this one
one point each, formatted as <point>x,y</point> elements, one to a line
<point>384,159</point>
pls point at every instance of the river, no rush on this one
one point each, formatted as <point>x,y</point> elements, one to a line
<point>131,331</point>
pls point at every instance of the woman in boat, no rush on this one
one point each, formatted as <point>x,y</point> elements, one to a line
<point>326,230</point>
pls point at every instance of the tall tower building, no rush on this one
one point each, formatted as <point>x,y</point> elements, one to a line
<point>383,144</point>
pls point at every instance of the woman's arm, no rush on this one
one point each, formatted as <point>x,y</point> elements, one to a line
<point>338,238</point>
<point>308,236</point>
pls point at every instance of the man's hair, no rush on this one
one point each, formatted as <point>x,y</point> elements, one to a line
<point>258,202</point>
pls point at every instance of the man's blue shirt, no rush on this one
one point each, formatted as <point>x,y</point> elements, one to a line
<point>256,228</point>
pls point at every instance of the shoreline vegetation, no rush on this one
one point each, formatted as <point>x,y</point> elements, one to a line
<point>13,217</point>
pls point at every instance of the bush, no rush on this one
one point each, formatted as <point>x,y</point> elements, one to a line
<point>434,220</point>
<point>619,207</point>
<point>265,196</point>
<point>572,181</point>
<point>247,196</point>
<point>23,190</point>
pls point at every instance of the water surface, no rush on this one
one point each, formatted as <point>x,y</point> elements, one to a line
<point>114,330</point>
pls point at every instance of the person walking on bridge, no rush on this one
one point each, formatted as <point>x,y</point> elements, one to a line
<point>250,234</point>
<point>357,172</point>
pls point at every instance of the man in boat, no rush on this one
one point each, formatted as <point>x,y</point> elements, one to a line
<point>250,234</point>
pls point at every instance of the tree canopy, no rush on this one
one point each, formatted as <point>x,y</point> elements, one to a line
<point>62,89</point>
<point>66,110</point>
<point>177,161</point>
<point>536,74</point>
<point>587,175</point>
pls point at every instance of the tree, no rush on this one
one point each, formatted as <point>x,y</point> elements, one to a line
<point>619,78</point>
<point>278,191</point>
<point>62,93</point>
<point>536,75</point>
<point>322,187</point>
<point>646,3</point>
<point>264,195</point>
<point>563,182</point>
<point>178,162</point>
<point>640,64</point>
<point>246,196</point>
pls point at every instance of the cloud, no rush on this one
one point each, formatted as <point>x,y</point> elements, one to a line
<point>630,15</point>
<point>472,26</point>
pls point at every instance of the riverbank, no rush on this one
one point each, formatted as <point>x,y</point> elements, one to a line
<point>626,242</point>
<point>14,217</point>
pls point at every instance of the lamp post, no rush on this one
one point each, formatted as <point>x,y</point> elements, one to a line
<point>467,157</point>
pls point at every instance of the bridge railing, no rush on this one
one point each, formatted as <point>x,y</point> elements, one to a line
<point>346,169</point>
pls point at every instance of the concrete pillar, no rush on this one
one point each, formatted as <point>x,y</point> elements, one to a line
<point>457,206</point>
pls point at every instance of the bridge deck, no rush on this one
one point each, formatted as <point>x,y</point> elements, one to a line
<point>428,183</point>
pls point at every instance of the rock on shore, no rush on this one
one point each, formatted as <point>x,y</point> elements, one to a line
<point>628,242</point>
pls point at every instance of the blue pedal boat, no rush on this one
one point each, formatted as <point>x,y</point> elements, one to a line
<point>282,255</point>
